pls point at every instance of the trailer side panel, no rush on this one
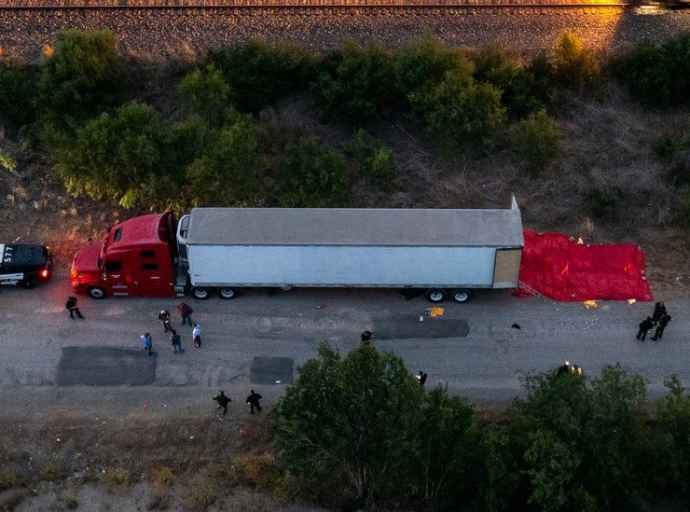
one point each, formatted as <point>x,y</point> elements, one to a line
<point>214,265</point>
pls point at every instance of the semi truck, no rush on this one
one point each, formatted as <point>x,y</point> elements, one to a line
<point>444,252</point>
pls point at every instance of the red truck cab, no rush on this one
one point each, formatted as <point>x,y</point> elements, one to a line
<point>135,258</point>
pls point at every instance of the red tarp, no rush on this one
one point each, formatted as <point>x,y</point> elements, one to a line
<point>561,269</point>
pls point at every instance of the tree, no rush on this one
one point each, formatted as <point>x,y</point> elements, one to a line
<point>123,156</point>
<point>228,171</point>
<point>536,141</point>
<point>206,94</point>
<point>311,176</point>
<point>355,417</point>
<point>575,67</point>
<point>259,73</point>
<point>84,77</point>
<point>462,111</point>
<point>356,84</point>
<point>375,160</point>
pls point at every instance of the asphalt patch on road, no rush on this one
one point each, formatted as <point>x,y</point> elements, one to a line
<point>402,327</point>
<point>271,370</point>
<point>105,366</point>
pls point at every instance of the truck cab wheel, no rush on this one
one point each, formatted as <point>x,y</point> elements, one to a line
<point>227,293</point>
<point>461,296</point>
<point>200,293</point>
<point>435,295</point>
<point>96,293</point>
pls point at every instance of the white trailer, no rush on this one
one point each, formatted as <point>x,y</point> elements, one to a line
<point>440,251</point>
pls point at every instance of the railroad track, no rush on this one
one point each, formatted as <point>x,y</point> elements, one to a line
<point>260,7</point>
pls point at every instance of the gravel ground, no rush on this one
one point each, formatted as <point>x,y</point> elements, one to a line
<point>159,36</point>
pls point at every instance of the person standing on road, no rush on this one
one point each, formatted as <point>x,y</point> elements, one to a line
<point>71,306</point>
<point>661,325</point>
<point>254,401</point>
<point>148,343</point>
<point>164,317</point>
<point>176,342</point>
<point>421,378</point>
<point>222,401</point>
<point>659,311</point>
<point>196,335</point>
<point>645,326</point>
<point>185,311</point>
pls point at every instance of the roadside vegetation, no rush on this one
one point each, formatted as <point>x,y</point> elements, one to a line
<point>217,143</point>
<point>358,432</point>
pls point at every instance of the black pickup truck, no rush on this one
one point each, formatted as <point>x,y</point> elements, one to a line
<point>24,264</point>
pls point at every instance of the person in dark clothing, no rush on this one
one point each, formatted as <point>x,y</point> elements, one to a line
<point>645,326</point>
<point>421,378</point>
<point>366,336</point>
<point>254,401</point>
<point>164,317</point>
<point>223,402</point>
<point>659,311</point>
<point>564,369</point>
<point>186,313</point>
<point>71,306</point>
<point>176,342</point>
<point>661,325</point>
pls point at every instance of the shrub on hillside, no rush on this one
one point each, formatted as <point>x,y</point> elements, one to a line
<point>17,92</point>
<point>536,141</point>
<point>521,91</point>
<point>460,111</point>
<point>124,156</point>
<point>575,67</point>
<point>673,416</point>
<point>260,73</point>
<point>356,84</point>
<point>657,74</point>
<point>206,94</point>
<point>425,63</point>
<point>375,159</point>
<point>227,172</point>
<point>311,176</point>
<point>84,77</point>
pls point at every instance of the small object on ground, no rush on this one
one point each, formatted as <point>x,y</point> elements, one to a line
<point>580,241</point>
<point>632,301</point>
<point>435,312</point>
<point>421,318</point>
<point>591,304</point>
<point>516,326</point>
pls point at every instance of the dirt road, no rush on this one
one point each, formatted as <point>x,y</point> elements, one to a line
<point>259,341</point>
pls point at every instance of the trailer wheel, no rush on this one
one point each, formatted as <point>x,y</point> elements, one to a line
<point>461,296</point>
<point>96,293</point>
<point>227,293</point>
<point>435,295</point>
<point>200,293</point>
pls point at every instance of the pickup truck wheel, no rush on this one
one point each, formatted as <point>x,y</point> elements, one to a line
<point>227,293</point>
<point>435,295</point>
<point>200,293</point>
<point>461,296</point>
<point>96,293</point>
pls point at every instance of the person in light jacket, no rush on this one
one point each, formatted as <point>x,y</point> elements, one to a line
<point>196,335</point>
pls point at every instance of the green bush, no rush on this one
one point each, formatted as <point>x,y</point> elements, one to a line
<point>673,416</point>
<point>461,111</point>
<point>657,75</point>
<point>259,73</point>
<point>582,445</point>
<point>603,204</point>
<point>123,156</point>
<point>17,93</point>
<point>311,176</point>
<point>536,140</point>
<point>375,160</point>
<point>424,64</point>
<point>356,84</point>
<point>207,94</point>
<point>575,67</point>
<point>521,90</point>
<point>227,173</point>
<point>84,77</point>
